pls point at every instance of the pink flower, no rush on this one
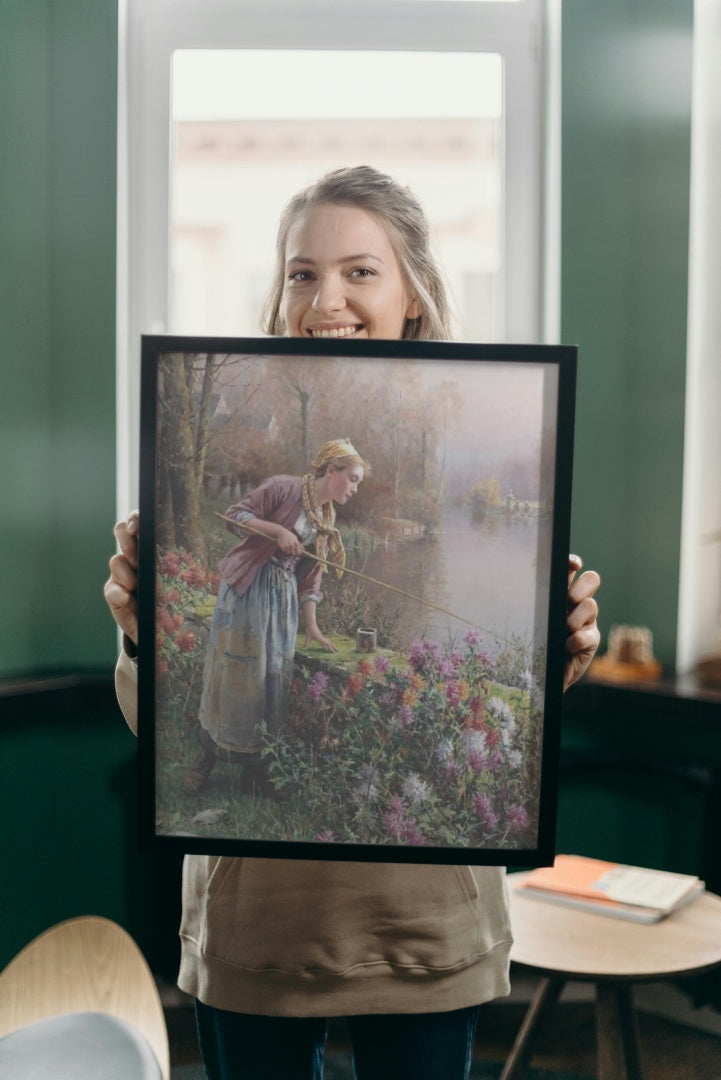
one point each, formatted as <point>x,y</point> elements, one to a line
<point>485,812</point>
<point>395,818</point>
<point>318,685</point>
<point>517,819</point>
<point>453,693</point>
<point>405,715</point>
<point>477,761</point>
<point>495,760</point>
<point>412,834</point>
<point>424,656</point>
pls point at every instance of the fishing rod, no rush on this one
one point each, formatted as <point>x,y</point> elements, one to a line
<point>365,577</point>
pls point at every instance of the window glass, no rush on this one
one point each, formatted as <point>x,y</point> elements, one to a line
<point>251,127</point>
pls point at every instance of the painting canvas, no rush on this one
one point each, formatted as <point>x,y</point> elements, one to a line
<point>362,659</point>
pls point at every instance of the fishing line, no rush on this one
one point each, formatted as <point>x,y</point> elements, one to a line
<point>366,577</point>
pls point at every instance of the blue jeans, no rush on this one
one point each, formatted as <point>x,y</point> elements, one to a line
<point>414,1046</point>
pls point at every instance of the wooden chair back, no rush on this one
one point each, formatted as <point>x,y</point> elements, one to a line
<point>87,964</point>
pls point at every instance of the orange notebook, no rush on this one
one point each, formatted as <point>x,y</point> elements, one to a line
<point>631,892</point>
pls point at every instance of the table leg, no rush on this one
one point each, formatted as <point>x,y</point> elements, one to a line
<point>617,1033</point>
<point>545,997</point>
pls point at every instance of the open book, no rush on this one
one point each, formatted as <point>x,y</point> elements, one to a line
<point>608,888</point>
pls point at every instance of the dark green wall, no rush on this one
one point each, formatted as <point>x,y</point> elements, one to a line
<point>625,203</point>
<point>58,75</point>
<point>67,773</point>
<point>68,804</point>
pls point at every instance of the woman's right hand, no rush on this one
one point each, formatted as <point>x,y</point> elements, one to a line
<point>288,542</point>
<point>121,587</point>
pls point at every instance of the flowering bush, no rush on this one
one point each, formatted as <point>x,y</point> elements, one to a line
<point>185,595</point>
<point>428,751</point>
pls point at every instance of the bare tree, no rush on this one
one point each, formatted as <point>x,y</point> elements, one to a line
<point>177,464</point>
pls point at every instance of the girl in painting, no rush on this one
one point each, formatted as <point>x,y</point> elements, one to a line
<point>249,663</point>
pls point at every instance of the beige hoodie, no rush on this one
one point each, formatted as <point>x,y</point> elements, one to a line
<point>285,937</point>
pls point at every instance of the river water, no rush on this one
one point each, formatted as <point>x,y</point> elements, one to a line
<point>492,571</point>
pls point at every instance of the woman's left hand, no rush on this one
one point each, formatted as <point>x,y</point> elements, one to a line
<point>583,635</point>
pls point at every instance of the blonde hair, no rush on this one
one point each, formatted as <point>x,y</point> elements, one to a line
<point>402,216</point>
<point>341,454</point>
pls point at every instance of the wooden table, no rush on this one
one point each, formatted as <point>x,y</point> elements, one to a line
<point>563,944</point>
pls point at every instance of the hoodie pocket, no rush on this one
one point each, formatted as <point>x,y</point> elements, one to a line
<point>333,917</point>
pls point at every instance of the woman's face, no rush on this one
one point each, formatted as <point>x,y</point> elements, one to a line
<point>342,277</point>
<point>343,483</point>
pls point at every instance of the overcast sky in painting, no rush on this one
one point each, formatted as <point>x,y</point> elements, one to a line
<point>497,413</point>
<point>500,407</point>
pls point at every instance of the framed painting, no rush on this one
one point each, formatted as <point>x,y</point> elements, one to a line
<point>352,597</point>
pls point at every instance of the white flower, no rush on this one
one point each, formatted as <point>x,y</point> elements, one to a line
<point>444,750</point>
<point>537,696</point>
<point>501,709</point>
<point>366,790</point>
<point>475,742</point>
<point>415,789</point>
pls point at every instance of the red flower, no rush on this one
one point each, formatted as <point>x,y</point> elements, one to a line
<point>354,685</point>
<point>170,563</point>
<point>194,576</point>
<point>365,667</point>
<point>478,708</point>
<point>166,621</point>
<point>185,641</point>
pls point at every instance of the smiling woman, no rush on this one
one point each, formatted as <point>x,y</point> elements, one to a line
<point>353,259</point>
<point>337,294</point>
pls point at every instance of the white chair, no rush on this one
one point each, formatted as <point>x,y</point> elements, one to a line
<point>80,1002</point>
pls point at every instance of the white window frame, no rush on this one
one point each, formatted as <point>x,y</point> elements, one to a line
<point>525,34</point>
<point>699,596</point>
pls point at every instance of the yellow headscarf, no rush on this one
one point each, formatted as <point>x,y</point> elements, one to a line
<point>332,451</point>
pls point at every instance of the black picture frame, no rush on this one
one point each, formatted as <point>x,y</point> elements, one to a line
<point>441,745</point>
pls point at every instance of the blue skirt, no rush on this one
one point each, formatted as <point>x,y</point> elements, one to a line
<point>249,664</point>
